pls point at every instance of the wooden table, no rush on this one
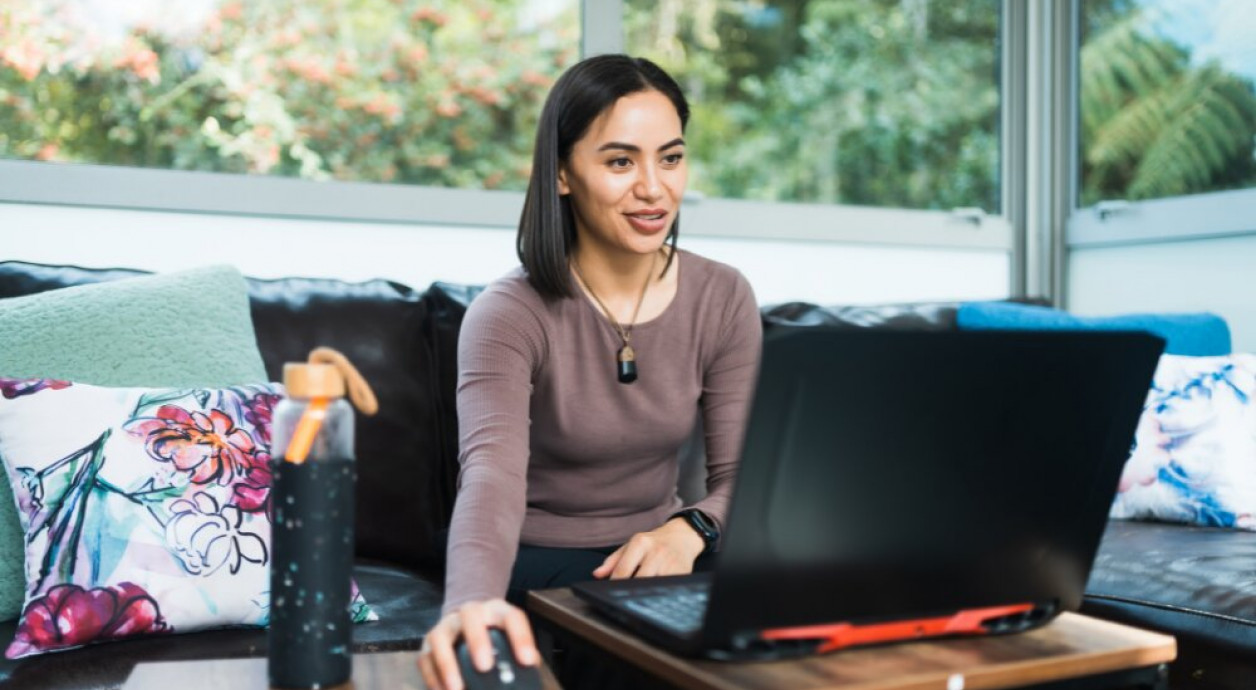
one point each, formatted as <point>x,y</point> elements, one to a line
<point>1071,648</point>
<point>382,671</point>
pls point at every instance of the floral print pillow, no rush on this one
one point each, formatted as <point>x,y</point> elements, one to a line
<point>1194,458</point>
<point>145,511</point>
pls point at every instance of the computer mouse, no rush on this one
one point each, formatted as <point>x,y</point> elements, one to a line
<point>507,672</point>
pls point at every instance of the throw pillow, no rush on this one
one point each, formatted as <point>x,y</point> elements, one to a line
<point>145,511</point>
<point>180,329</point>
<point>1194,457</point>
<point>1198,334</point>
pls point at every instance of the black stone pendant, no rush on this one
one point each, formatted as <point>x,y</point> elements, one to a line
<point>627,364</point>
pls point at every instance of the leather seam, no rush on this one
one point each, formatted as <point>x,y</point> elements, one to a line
<point>1172,608</point>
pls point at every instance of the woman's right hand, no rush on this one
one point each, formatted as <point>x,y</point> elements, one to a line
<point>439,664</point>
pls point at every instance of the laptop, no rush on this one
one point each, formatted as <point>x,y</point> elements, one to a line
<point>902,485</point>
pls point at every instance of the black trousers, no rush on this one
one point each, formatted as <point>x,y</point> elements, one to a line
<point>543,567</point>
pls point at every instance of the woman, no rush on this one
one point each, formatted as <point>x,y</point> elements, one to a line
<point>582,372</point>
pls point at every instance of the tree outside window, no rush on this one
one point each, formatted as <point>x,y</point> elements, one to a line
<point>432,92</point>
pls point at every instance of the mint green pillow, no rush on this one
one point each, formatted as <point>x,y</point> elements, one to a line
<point>183,329</point>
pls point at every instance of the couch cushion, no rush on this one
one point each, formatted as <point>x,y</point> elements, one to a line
<point>404,456</point>
<point>1197,583</point>
<point>1194,458</point>
<point>407,607</point>
<point>379,326</point>
<point>1196,334</point>
<point>122,334</point>
<point>938,316</point>
<point>444,306</point>
<point>145,510</point>
<point>133,332</point>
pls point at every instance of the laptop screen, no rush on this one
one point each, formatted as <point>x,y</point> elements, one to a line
<point>890,475</point>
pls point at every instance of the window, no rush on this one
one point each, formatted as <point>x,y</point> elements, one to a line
<point>1167,120</point>
<point>889,103</point>
<point>1168,106</point>
<point>873,121</point>
<point>440,93</point>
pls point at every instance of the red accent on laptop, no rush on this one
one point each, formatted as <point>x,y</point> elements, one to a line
<point>842,635</point>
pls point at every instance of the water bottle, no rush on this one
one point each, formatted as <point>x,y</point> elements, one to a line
<point>311,563</point>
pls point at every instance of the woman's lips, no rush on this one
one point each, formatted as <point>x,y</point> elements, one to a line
<point>648,223</point>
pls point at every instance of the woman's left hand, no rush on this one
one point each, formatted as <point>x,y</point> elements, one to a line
<point>668,550</point>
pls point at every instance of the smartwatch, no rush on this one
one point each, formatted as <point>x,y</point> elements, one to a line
<point>703,525</point>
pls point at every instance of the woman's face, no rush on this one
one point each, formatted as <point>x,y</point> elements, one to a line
<point>626,176</point>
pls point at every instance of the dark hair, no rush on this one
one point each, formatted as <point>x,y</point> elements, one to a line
<point>547,228</point>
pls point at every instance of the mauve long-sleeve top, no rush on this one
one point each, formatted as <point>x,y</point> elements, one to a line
<point>555,451</point>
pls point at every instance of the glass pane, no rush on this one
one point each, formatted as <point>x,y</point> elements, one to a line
<point>873,102</point>
<point>432,92</point>
<point>1167,104</point>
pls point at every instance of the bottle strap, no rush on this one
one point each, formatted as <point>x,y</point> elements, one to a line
<point>360,392</point>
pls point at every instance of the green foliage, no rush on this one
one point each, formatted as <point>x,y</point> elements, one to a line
<point>875,102</point>
<point>436,93</point>
<point>1153,125</point>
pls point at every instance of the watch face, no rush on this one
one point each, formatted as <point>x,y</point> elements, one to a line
<point>704,525</point>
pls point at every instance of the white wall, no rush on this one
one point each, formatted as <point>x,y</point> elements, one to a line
<point>1217,275</point>
<point>417,256</point>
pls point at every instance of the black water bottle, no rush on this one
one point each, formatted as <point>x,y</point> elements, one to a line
<point>310,638</point>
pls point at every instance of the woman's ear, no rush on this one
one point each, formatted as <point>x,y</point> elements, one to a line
<point>563,188</point>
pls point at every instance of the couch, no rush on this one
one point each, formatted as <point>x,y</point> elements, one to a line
<point>1198,584</point>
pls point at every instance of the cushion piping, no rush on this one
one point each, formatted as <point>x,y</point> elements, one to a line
<point>1173,608</point>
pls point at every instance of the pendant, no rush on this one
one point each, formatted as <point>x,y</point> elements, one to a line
<point>627,364</point>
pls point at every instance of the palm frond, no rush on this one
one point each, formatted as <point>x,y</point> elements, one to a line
<point>1198,142</point>
<point>1124,64</point>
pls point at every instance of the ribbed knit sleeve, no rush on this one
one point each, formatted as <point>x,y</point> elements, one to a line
<point>727,389</point>
<point>500,347</point>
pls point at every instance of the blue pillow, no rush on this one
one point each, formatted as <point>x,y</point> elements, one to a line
<point>1198,334</point>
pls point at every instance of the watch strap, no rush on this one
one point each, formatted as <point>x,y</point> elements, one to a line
<point>701,523</point>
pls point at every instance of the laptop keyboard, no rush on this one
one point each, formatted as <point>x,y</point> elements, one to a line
<point>678,607</point>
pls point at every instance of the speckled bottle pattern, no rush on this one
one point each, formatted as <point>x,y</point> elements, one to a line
<point>310,635</point>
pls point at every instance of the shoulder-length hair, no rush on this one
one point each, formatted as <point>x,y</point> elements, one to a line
<point>547,228</point>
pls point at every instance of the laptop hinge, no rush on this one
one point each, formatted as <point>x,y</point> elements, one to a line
<point>966,622</point>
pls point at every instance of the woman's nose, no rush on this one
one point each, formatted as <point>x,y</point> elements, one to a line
<point>648,184</point>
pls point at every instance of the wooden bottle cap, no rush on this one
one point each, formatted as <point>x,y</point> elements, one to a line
<point>328,374</point>
<point>304,380</point>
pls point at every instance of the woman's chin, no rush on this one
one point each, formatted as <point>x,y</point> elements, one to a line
<point>645,244</point>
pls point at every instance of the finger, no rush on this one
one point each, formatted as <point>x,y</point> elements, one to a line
<point>515,622</point>
<point>444,659</point>
<point>628,563</point>
<point>609,564</point>
<point>426,667</point>
<point>475,632</point>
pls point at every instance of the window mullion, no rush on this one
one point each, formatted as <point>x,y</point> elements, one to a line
<point>601,27</point>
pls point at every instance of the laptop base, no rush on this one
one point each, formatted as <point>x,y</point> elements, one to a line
<point>621,601</point>
<point>982,621</point>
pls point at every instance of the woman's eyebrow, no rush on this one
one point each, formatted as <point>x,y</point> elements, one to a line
<point>621,146</point>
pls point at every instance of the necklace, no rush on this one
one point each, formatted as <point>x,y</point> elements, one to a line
<point>626,358</point>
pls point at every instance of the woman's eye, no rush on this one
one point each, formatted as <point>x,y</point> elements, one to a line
<point>673,159</point>
<point>620,162</point>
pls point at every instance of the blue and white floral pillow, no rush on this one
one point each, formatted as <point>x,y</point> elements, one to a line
<point>1194,458</point>
<point>145,511</point>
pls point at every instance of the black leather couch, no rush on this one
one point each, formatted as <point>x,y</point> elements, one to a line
<point>1198,584</point>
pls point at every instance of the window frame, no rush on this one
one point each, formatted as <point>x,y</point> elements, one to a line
<point>106,186</point>
<point>1171,219</point>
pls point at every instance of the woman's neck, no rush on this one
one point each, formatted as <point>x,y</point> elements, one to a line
<point>619,276</point>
